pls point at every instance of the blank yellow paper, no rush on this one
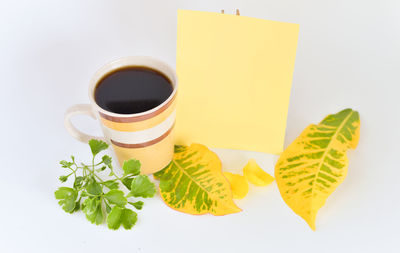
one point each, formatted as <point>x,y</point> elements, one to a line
<point>235,75</point>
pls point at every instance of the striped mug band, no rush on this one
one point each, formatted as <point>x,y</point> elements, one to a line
<point>140,131</point>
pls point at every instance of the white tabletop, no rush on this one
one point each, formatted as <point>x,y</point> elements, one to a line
<point>348,56</point>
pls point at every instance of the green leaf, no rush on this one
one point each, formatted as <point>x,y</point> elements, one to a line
<point>114,218</point>
<point>67,197</point>
<point>97,146</point>
<point>63,178</point>
<point>78,182</point>
<point>123,216</point>
<point>131,166</point>
<point>108,208</point>
<point>128,218</point>
<point>116,197</point>
<point>127,182</point>
<point>107,160</point>
<point>93,187</point>
<point>92,209</point>
<point>77,206</point>
<point>65,164</point>
<point>142,187</point>
<point>138,205</point>
<point>101,169</point>
<point>111,184</point>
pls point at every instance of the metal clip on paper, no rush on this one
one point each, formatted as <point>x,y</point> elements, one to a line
<point>237,12</point>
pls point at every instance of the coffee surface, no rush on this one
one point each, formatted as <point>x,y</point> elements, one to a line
<point>132,90</point>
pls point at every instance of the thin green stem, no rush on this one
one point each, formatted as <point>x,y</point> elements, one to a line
<point>115,175</point>
<point>92,195</point>
<point>97,164</point>
<point>93,165</point>
<point>101,180</point>
<point>70,168</point>
<point>70,173</point>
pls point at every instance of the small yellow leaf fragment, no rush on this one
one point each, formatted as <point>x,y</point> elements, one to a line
<point>239,185</point>
<point>256,175</point>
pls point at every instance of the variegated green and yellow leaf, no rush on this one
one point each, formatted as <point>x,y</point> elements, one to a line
<point>193,182</point>
<point>311,168</point>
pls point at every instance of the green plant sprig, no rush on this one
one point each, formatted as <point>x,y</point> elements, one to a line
<point>100,199</point>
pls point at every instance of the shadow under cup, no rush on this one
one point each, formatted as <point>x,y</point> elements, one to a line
<point>146,136</point>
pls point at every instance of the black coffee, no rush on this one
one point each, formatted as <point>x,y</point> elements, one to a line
<point>132,90</point>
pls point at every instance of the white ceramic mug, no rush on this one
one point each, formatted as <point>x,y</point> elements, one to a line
<point>146,136</point>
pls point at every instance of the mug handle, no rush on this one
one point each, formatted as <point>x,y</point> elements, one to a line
<point>75,110</point>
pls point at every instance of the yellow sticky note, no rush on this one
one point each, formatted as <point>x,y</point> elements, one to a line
<point>235,75</point>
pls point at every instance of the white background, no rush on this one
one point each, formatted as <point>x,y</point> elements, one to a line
<point>348,56</point>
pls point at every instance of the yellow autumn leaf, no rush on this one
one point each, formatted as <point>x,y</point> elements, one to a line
<point>239,185</point>
<point>311,168</point>
<point>256,175</point>
<point>193,182</point>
